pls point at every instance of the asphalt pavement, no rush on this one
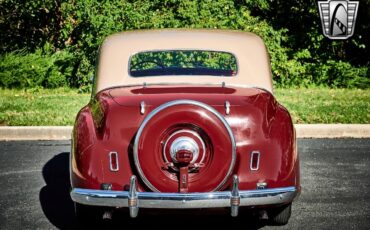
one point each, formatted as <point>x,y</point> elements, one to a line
<point>335,176</point>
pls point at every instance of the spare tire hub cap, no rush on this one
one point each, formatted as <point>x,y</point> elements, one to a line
<point>184,144</point>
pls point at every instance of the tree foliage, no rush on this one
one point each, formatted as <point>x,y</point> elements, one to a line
<point>300,54</point>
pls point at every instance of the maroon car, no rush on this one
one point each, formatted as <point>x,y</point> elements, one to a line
<point>184,119</point>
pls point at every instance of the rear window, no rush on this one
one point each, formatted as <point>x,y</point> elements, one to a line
<point>183,62</point>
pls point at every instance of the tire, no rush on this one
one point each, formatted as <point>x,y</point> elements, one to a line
<point>197,121</point>
<point>280,215</point>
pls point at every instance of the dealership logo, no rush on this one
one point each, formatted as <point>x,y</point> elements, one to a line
<point>338,18</point>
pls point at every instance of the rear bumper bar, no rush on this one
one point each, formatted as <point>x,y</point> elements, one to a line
<point>133,199</point>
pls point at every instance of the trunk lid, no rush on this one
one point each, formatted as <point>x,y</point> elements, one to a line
<point>212,95</point>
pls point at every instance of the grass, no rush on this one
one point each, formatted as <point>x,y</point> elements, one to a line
<point>40,106</point>
<point>318,105</point>
<point>60,106</point>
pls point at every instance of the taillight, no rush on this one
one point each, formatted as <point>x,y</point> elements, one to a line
<point>255,160</point>
<point>113,161</point>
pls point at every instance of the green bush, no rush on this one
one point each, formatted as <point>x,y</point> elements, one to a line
<point>339,75</point>
<point>22,70</point>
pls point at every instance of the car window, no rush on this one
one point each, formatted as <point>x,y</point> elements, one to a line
<point>182,62</point>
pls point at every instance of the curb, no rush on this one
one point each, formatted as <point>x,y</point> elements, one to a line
<point>9,133</point>
<point>333,130</point>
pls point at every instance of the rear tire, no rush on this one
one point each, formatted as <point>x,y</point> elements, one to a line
<point>280,215</point>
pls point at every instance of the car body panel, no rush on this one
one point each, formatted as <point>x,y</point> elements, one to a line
<point>258,123</point>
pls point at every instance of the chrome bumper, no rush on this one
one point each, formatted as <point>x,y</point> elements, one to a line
<point>233,199</point>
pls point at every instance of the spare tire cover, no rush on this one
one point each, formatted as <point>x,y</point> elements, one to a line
<point>195,120</point>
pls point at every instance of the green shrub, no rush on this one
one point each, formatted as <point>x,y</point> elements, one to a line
<point>22,70</point>
<point>339,75</point>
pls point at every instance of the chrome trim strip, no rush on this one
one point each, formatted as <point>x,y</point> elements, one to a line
<point>108,198</point>
<point>258,160</point>
<point>115,155</point>
<point>183,102</point>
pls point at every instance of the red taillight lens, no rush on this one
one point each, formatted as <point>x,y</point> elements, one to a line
<point>255,160</point>
<point>113,161</point>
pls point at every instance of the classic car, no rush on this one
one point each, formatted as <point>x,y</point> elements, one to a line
<point>184,119</point>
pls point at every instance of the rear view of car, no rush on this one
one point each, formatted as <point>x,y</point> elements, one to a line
<point>184,119</point>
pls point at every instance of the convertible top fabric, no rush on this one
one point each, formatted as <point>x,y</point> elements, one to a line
<point>253,61</point>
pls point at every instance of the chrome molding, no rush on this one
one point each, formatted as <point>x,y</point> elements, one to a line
<point>222,199</point>
<point>258,160</point>
<point>183,102</point>
<point>111,168</point>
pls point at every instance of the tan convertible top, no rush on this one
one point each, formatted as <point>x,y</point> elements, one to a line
<point>248,48</point>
